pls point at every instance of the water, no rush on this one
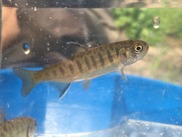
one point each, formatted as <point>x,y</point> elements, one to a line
<point>45,32</point>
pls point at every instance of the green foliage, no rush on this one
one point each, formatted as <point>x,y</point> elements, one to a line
<point>138,23</point>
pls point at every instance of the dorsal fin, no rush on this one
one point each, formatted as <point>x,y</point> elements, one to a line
<point>75,48</point>
<point>71,43</point>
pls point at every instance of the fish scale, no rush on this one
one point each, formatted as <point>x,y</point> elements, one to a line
<point>86,65</point>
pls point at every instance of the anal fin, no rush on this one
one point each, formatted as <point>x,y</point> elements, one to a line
<point>61,87</point>
<point>86,84</point>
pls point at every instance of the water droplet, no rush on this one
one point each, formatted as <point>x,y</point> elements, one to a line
<point>16,5</point>
<point>48,48</point>
<point>57,3</point>
<point>156,22</point>
<point>10,1</point>
<point>35,8</point>
<point>89,45</point>
<point>26,48</point>
<point>48,44</point>
<point>8,106</point>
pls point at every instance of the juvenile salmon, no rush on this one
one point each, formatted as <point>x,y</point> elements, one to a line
<point>18,127</point>
<point>85,65</point>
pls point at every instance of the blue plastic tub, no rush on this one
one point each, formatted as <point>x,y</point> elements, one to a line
<point>107,103</point>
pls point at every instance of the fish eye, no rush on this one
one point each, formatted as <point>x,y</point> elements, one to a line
<point>138,48</point>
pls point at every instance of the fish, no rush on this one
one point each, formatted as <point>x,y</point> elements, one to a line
<point>85,65</point>
<point>17,127</point>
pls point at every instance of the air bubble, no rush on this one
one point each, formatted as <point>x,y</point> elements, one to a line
<point>26,48</point>
<point>156,22</point>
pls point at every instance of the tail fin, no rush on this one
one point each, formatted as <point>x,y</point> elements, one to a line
<point>28,82</point>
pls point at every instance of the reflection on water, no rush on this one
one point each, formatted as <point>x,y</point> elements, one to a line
<point>130,128</point>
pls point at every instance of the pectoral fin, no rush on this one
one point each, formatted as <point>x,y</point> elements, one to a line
<point>122,55</point>
<point>122,72</point>
<point>61,87</point>
<point>73,48</point>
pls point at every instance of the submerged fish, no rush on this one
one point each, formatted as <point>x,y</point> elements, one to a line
<point>86,65</point>
<point>18,127</point>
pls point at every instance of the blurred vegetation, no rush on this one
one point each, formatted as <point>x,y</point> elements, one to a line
<point>138,23</point>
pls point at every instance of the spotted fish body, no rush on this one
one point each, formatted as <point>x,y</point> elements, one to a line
<point>86,65</point>
<point>18,127</point>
